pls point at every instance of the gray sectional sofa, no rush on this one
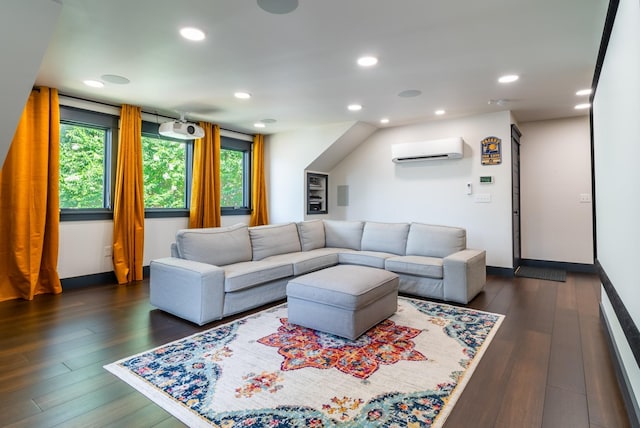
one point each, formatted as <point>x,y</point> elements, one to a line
<point>216,272</point>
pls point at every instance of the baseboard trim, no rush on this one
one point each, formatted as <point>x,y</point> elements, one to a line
<point>569,267</point>
<point>629,327</point>
<point>631,404</point>
<point>499,271</point>
<point>103,278</point>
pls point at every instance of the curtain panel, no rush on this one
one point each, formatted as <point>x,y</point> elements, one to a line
<point>259,215</point>
<point>29,205</point>
<point>205,186</point>
<point>128,206</point>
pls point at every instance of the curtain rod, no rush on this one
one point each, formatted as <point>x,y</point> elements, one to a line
<point>147,112</point>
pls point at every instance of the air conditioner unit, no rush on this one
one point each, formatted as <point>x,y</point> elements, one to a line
<point>181,130</point>
<point>446,148</point>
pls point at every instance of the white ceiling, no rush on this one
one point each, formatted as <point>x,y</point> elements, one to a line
<point>301,67</point>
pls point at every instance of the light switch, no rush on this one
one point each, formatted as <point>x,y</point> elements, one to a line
<point>482,198</point>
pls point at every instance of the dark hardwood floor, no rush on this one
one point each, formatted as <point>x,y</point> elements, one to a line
<point>548,366</point>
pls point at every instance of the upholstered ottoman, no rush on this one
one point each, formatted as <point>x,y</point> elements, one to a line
<point>345,300</point>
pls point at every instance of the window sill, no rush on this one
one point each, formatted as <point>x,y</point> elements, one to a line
<point>71,214</point>
<point>166,213</point>
<point>235,211</point>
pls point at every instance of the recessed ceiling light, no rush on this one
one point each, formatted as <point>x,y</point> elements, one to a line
<point>440,112</point>
<point>268,121</point>
<point>114,78</point>
<point>259,125</point>
<point>192,33</point>
<point>583,92</point>
<point>410,93</point>
<point>582,106</point>
<point>94,83</point>
<point>278,7</point>
<point>367,61</point>
<point>508,78</point>
<point>242,95</point>
<point>354,107</point>
<point>384,120</point>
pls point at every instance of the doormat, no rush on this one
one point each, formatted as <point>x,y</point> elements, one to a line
<point>542,273</point>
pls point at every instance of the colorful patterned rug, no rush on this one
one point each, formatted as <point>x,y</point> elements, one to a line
<point>261,371</point>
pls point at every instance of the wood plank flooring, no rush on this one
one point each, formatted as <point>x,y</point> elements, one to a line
<point>548,366</point>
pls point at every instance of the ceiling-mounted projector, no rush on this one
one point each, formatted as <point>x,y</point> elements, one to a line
<point>181,129</point>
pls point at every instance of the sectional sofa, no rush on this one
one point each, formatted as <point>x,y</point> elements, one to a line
<point>216,272</point>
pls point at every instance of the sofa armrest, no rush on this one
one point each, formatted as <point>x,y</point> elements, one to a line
<point>188,289</point>
<point>465,273</point>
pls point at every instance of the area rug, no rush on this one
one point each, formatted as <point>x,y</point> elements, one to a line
<point>261,371</point>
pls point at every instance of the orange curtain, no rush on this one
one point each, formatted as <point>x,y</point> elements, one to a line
<point>205,186</point>
<point>128,206</point>
<point>29,206</point>
<point>259,215</point>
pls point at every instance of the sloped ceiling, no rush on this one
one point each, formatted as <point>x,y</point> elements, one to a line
<point>21,57</point>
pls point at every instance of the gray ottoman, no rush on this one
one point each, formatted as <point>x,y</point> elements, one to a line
<point>345,300</point>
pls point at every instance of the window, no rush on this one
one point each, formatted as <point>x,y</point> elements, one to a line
<point>85,176</point>
<point>235,176</point>
<point>88,153</point>
<point>166,166</point>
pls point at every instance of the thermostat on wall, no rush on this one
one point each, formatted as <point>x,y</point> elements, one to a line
<point>486,179</point>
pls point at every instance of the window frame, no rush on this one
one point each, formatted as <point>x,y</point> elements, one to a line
<point>82,117</point>
<point>151,129</point>
<point>230,143</point>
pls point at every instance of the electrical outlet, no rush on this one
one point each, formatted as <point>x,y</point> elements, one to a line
<point>584,198</point>
<point>108,251</point>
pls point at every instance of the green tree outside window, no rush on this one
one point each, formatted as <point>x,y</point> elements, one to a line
<point>82,149</point>
<point>231,178</point>
<point>164,172</point>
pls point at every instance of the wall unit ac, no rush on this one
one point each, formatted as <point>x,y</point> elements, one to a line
<point>446,148</point>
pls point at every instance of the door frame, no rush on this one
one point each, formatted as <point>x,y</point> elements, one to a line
<point>516,216</point>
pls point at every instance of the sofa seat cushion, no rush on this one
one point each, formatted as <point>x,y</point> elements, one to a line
<point>239,276</point>
<point>374,259</point>
<point>429,267</point>
<point>308,261</point>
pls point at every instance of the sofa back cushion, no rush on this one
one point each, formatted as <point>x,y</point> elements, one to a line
<point>216,245</point>
<point>385,237</point>
<point>435,241</point>
<point>274,239</point>
<point>343,234</point>
<point>311,234</point>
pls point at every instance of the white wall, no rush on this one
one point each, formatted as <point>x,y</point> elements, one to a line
<point>616,129</point>
<point>433,191</point>
<point>555,169</point>
<point>82,243</point>
<point>287,155</point>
